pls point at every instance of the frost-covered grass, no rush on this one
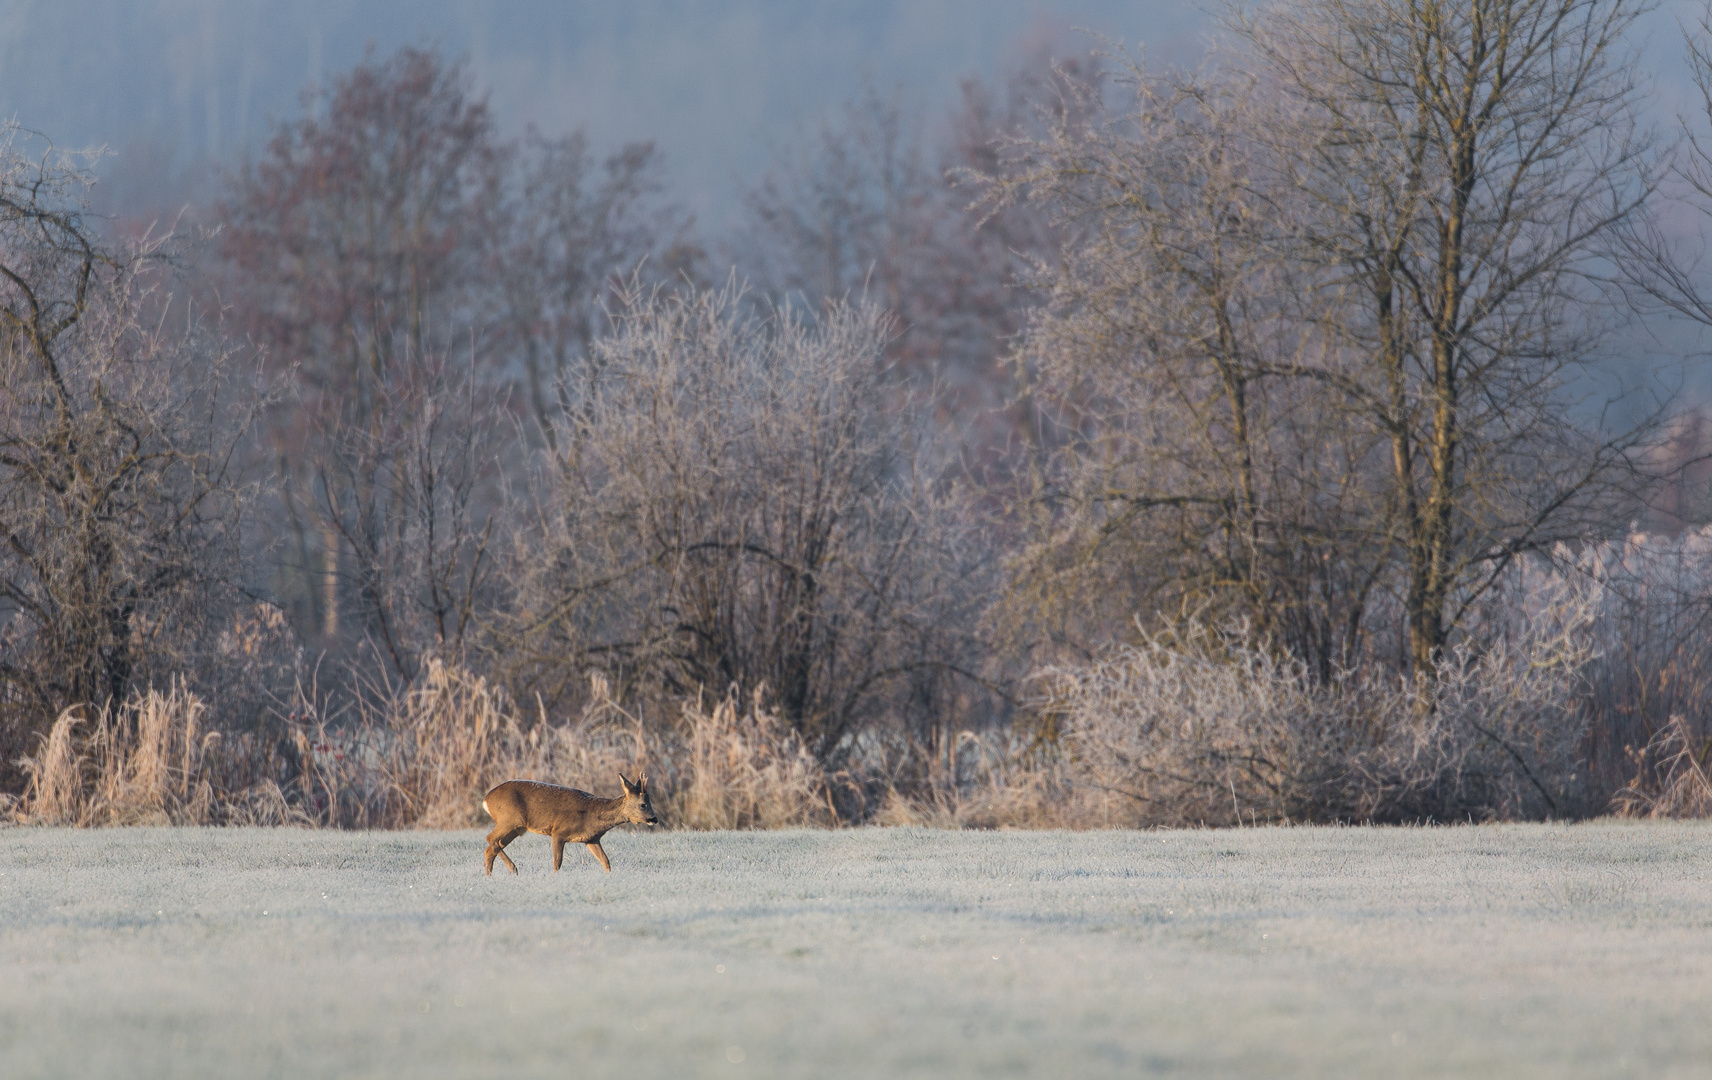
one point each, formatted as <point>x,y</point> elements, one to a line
<point>1515,951</point>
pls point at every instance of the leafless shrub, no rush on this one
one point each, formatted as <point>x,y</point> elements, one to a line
<point>1654,636</point>
<point>746,769</point>
<point>413,496</point>
<point>745,501</point>
<point>1205,726</point>
<point>996,779</point>
<point>119,502</point>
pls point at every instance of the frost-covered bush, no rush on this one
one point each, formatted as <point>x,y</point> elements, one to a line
<point>747,501</point>
<point>1208,725</point>
<point>1202,724</point>
<point>1581,686</point>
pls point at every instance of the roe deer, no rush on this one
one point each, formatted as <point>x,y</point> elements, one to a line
<point>564,814</point>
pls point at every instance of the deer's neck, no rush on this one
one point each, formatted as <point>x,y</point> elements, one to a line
<point>609,812</point>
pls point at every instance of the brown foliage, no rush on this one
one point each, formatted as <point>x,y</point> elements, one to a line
<point>425,754</point>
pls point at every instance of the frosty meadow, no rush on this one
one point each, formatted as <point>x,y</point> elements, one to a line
<point>1501,950</point>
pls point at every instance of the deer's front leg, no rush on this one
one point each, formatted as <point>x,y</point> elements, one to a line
<point>558,852</point>
<point>595,850</point>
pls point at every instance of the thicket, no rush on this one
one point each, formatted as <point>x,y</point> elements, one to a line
<point>1151,448</point>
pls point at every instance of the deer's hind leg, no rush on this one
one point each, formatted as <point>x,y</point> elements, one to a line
<point>496,841</point>
<point>558,852</point>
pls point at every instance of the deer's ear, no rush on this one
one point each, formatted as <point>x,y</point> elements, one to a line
<point>625,784</point>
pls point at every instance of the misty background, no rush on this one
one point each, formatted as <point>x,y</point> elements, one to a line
<point>177,90</point>
<point>169,85</point>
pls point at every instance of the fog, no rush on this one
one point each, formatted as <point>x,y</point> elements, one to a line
<point>164,83</point>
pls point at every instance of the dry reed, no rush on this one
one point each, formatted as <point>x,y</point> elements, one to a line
<point>1671,778</point>
<point>152,761</point>
<point>424,756</point>
<point>746,770</point>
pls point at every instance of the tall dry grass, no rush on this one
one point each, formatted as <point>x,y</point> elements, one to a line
<point>1671,776</point>
<point>152,761</point>
<point>745,768</point>
<point>423,757</point>
<point>991,780</point>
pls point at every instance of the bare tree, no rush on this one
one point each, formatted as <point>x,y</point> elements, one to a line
<point>1665,262</point>
<point>406,268</point>
<point>576,233</point>
<point>742,502</point>
<point>119,506</point>
<point>359,229</point>
<point>352,242</point>
<point>1465,167</point>
<point>1192,477</point>
<point>1324,324</point>
<point>868,206</point>
<point>415,495</point>
<point>837,213</point>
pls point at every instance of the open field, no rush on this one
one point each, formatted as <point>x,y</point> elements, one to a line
<point>1514,951</point>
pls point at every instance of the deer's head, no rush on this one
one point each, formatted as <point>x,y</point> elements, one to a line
<point>636,806</point>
